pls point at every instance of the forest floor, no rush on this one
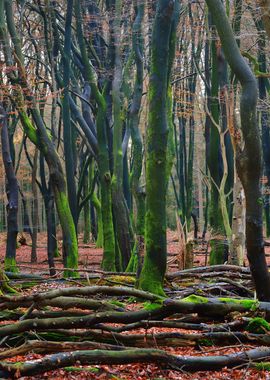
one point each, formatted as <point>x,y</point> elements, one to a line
<point>90,259</point>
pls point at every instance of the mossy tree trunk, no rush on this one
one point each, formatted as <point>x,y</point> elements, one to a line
<point>12,191</point>
<point>137,145</point>
<point>66,116</point>
<point>154,267</point>
<point>249,156</point>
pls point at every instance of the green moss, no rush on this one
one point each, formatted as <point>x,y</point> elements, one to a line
<point>205,342</point>
<point>195,299</point>
<point>122,279</point>
<point>56,253</point>
<point>79,369</point>
<point>151,279</point>
<point>152,305</point>
<point>70,238</point>
<point>258,325</point>
<point>217,252</point>
<point>28,127</point>
<point>264,366</point>
<point>248,304</point>
<point>28,284</point>
<point>133,262</point>
<point>10,265</point>
<point>117,303</point>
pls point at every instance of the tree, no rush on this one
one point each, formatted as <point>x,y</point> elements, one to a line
<point>248,157</point>
<point>154,266</point>
<point>12,190</point>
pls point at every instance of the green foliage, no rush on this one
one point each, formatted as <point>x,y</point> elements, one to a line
<point>258,325</point>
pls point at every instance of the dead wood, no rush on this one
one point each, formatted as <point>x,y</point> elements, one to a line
<point>161,358</point>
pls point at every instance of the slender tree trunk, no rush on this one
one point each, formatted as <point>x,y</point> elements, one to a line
<point>67,127</point>
<point>237,250</point>
<point>12,191</point>
<point>119,204</point>
<point>35,208</point>
<point>154,267</point>
<point>137,145</point>
<point>249,157</point>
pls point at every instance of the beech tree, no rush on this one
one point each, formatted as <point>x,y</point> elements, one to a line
<point>154,266</point>
<point>12,191</point>
<point>248,156</point>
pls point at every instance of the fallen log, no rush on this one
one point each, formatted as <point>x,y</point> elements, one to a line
<point>84,291</point>
<point>46,347</point>
<point>83,322</point>
<point>176,324</point>
<point>62,302</point>
<point>219,307</point>
<point>161,358</point>
<point>208,269</point>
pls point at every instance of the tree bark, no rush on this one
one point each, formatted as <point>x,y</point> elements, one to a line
<point>12,191</point>
<point>154,267</point>
<point>248,158</point>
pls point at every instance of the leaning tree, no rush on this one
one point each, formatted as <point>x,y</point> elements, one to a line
<point>248,154</point>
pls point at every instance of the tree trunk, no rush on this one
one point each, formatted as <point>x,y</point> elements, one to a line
<point>35,208</point>
<point>237,250</point>
<point>154,267</point>
<point>12,191</point>
<point>67,127</point>
<point>120,208</point>
<point>248,158</point>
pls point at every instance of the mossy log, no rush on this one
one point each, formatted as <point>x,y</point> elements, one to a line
<point>46,347</point>
<point>175,339</point>
<point>161,358</point>
<point>216,308</point>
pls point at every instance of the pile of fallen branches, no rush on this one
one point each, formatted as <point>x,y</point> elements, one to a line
<point>101,324</point>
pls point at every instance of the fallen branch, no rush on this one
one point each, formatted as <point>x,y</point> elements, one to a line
<point>161,358</point>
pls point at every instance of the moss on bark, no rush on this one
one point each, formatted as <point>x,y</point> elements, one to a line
<point>154,267</point>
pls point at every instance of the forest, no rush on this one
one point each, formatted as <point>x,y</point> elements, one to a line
<point>135,189</point>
